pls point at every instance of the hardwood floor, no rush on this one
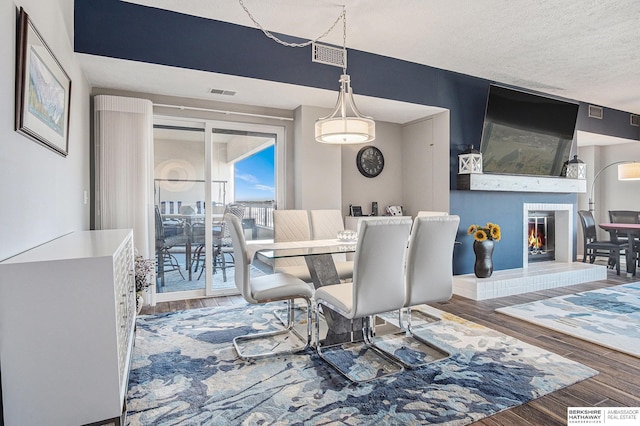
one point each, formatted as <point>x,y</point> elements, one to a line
<point>617,385</point>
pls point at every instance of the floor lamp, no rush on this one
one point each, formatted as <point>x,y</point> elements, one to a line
<point>627,170</point>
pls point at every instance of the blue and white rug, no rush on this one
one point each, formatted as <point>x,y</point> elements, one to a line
<point>609,317</point>
<point>186,372</point>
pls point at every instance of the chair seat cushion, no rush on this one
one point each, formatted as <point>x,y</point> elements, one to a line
<point>279,286</point>
<point>298,271</point>
<point>607,245</point>
<point>345,269</point>
<point>338,296</point>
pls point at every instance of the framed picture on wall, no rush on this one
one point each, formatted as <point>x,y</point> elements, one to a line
<point>43,90</point>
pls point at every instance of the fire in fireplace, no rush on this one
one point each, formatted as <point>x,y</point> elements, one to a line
<point>540,233</point>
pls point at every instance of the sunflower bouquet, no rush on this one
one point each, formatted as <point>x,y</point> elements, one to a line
<point>490,231</point>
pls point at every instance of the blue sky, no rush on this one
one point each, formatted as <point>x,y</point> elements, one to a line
<point>255,178</point>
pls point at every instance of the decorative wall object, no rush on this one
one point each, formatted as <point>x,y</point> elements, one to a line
<point>43,90</point>
<point>576,169</point>
<point>470,161</point>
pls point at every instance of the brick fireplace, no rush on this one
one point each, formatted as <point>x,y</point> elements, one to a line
<point>561,228</point>
<point>535,276</point>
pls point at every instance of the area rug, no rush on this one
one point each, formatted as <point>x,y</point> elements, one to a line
<point>186,372</point>
<point>609,317</point>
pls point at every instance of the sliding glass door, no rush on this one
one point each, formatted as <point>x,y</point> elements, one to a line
<point>202,170</point>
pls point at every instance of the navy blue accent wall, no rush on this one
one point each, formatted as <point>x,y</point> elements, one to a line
<point>123,30</point>
<point>505,209</point>
<point>614,123</point>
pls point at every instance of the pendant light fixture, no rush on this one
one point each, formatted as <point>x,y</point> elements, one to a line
<point>345,125</point>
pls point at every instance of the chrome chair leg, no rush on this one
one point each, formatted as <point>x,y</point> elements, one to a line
<point>289,330</point>
<point>409,332</point>
<point>388,363</point>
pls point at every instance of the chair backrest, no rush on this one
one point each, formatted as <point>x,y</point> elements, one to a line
<point>159,227</point>
<point>187,210</point>
<point>426,213</point>
<point>624,216</point>
<point>197,233</point>
<point>588,226</point>
<point>238,211</point>
<point>429,269</point>
<point>325,224</point>
<point>291,225</point>
<point>378,269</point>
<point>241,261</point>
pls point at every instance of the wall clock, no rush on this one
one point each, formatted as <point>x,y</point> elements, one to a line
<point>370,161</point>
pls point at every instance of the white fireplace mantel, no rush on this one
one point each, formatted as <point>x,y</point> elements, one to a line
<point>520,183</point>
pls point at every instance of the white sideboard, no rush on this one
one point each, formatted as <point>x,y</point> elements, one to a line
<point>67,313</point>
<point>353,222</point>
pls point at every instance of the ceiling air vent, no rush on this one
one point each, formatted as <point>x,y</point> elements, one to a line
<point>635,120</point>
<point>329,55</point>
<point>595,112</point>
<point>222,92</point>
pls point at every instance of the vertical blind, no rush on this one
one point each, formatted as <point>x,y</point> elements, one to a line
<point>123,178</point>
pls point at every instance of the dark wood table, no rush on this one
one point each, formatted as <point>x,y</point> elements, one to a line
<point>319,259</point>
<point>633,231</point>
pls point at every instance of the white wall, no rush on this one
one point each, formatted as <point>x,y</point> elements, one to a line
<point>41,192</point>
<point>614,194</point>
<point>386,188</point>
<point>317,166</point>
<point>425,160</point>
<point>609,193</point>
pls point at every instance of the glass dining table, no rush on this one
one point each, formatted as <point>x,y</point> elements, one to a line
<point>318,255</point>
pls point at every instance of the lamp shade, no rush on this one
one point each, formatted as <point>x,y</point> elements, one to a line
<point>629,171</point>
<point>345,130</point>
<point>345,124</point>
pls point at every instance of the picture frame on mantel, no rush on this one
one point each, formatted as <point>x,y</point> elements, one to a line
<point>43,90</point>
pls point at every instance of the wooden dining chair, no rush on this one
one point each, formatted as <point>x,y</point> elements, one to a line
<point>593,248</point>
<point>377,287</point>
<point>623,216</point>
<point>265,289</point>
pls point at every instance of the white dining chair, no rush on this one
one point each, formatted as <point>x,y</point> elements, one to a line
<point>425,213</point>
<point>264,289</point>
<point>377,287</point>
<point>292,225</point>
<point>429,270</point>
<point>325,225</point>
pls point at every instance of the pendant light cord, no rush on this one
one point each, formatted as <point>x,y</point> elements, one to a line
<point>344,39</point>
<point>305,44</point>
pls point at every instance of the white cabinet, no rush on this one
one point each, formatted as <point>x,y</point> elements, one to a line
<point>353,222</point>
<point>67,313</point>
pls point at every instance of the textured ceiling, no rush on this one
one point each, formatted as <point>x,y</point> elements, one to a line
<point>580,49</point>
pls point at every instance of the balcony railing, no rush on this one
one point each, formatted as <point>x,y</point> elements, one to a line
<point>260,211</point>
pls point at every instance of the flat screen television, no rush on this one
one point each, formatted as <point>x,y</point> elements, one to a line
<point>526,133</point>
